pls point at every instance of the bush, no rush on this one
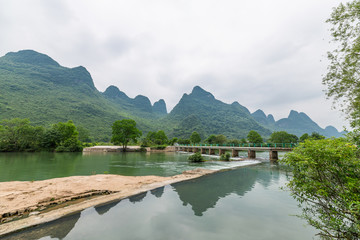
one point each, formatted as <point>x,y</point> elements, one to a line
<point>326,182</point>
<point>225,157</point>
<point>158,147</point>
<point>196,157</point>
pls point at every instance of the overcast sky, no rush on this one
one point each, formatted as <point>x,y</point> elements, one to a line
<point>264,54</point>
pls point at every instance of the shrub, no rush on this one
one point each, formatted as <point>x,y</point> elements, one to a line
<point>225,157</point>
<point>196,157</point>
<point>158,147</point>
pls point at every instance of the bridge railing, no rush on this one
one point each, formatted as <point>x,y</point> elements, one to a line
<point>265,145</point>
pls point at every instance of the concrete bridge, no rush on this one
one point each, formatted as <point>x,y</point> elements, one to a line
<point>273,149</point>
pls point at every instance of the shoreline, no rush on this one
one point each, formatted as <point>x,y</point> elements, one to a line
<point>90,190</point>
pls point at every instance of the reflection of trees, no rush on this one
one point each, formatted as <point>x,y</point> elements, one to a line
<point>137,198</point>
<point>57,229</point>
<point>158,192</point>
<point>102,209</point>
<point>204,192</point>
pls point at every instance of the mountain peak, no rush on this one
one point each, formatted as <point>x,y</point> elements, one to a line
<point>259,113</point>
<point>114,92</point>
<point>199,92</point>
<point>31,57</point>
<point>160,107</point>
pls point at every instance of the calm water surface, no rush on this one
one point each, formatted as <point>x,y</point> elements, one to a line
<point>40,166</point>
<point>244,203</point>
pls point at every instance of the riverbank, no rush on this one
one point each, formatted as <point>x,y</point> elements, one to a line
<point>32,198</point>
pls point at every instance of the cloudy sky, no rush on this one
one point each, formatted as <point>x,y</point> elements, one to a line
<point>264,54</point>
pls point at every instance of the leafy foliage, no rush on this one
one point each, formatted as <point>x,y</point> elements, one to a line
<point>225,157</point>
<point>254,137</point>
<point>342,78</point>
<point>283,137</point>
<point>326,181</point>
<point>123,131</point>
<point>196,157</point>
<point>195,138</point>
<point>19,135</point>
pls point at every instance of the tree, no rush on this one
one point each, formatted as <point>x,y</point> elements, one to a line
<point>211,139</point>
<point>343,75</point>
<point>195,138</point>
<point>283,137</point>
<point>316,136</point>
<point>326,182</point>
<point>304,137</point>
<point>123,131</point>
<point>62,137</point>
<point>220,139</point>
<point>254,137</point>
<point>19,135</point>
<point>157,137</point>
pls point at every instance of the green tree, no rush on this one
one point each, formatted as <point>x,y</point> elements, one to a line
<point>173,141</point>
<point>161,137</point>
<point>195,138</point>
<point>211,139</point>
<point>123,131</point>
<point>62,137</point>
<point>316,136</point>
<point>220,139</point>
<point>342,78</point>
<point>326,182</point>
<point>254,137</point>
<point>19,135</point>
<point>304,137</point>
<point>283,137</point>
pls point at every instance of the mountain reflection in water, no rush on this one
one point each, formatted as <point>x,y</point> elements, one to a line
<point>225,205</point>
<point>204,193</point>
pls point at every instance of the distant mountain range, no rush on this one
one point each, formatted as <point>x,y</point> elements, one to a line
<point>34,86</point>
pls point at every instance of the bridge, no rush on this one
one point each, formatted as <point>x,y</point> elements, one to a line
<point>251,148</point>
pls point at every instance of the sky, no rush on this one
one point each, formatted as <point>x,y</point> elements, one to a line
<point>268,55</point>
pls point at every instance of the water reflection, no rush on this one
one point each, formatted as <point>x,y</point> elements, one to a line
<point>158,192</point>
<point>205,192</point>
<point>137,198</point>
<point>102,209</point>
<point>57,229</point>
<point>243,203</point>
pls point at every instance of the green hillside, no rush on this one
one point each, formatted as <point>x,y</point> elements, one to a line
<point>200,111</point>
<point>36,87</point>
<point>296,123</point>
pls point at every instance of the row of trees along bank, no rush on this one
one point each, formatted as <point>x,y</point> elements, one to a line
<point>18,135</point>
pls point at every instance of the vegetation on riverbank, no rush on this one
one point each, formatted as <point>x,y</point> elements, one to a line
<point>326,176</point>
<point>18,135</point>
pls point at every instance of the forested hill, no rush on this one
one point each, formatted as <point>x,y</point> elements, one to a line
<point>296,123</point>
<point>200,111</point>
<point>34,86</point>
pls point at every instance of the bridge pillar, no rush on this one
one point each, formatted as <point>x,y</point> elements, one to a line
<point>221,151</point>
<point>251,154</point>
<point>211,151</point>
<point>235,153</point>
<point>203,151</point>
<point>273,155</point>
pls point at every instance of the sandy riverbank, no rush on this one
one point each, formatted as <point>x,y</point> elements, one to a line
<point>23,198</point>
